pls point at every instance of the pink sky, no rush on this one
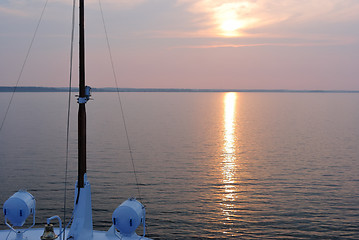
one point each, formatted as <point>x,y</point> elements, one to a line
<point>261,44</point>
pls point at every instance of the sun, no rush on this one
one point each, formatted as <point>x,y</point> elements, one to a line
<point>232,18</point>
<point>230,27</point>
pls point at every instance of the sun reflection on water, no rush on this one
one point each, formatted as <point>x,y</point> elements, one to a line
<point>229,156</point>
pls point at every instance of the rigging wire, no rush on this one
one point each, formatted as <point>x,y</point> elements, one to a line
<point>120,102</point>
<point>23,65</point>
<point>68,111</point>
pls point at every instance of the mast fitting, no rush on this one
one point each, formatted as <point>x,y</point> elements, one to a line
<point>86,97</point>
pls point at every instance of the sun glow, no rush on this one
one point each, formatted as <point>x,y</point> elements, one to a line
<point>231,18</point>
<point>230,26</point>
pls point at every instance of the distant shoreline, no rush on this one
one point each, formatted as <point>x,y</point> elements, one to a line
<point>64,89</point>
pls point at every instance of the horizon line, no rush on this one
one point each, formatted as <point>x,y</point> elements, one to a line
<point>124,89</point>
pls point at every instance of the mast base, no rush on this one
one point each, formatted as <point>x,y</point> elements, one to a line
<point>81,227</point>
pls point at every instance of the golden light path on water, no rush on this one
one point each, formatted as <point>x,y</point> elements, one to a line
<point>229,155</point>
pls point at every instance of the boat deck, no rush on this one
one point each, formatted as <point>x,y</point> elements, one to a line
<point>36,233</point>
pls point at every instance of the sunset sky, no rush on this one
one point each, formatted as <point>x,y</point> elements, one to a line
<point>258,44</point>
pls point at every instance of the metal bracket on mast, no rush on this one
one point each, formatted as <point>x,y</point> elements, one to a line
<point>86,97</point>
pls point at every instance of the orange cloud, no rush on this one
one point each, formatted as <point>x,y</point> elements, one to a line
<point>235,18</point>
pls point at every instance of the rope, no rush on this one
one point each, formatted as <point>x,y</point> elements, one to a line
<point>23,65</point>
<point>68,111</point>
<point>120,102</point>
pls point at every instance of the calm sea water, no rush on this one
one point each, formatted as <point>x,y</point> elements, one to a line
<point>210,165</point>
